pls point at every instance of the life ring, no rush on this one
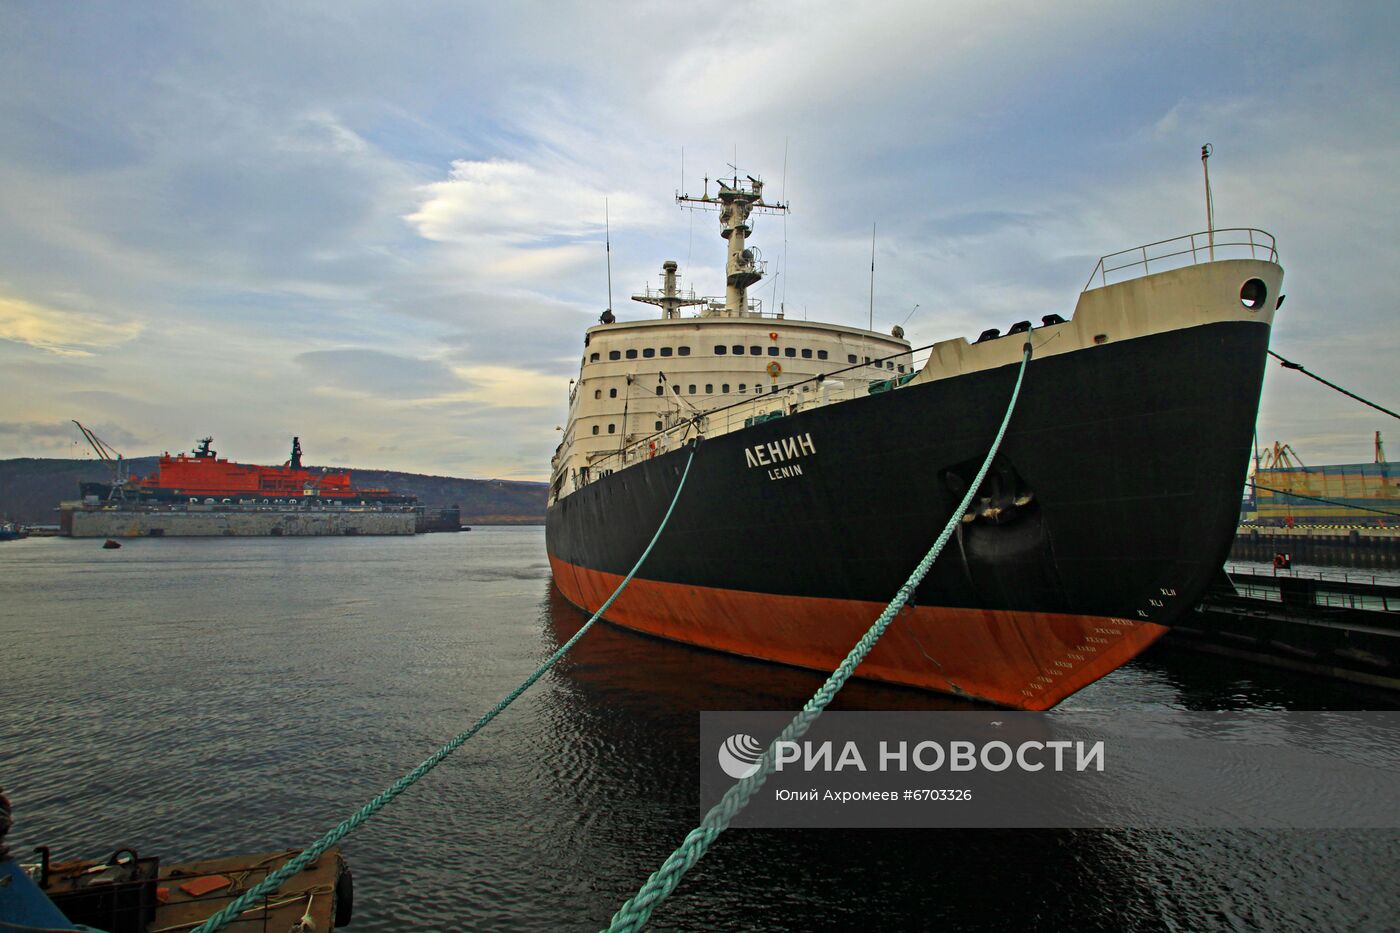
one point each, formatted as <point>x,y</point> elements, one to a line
<point>775,369</point>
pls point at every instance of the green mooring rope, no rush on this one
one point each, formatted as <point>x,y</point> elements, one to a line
<point>275,880</point>
<point>634,914</point>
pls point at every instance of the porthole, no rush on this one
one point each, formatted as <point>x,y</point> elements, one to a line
<point>631,354</point>
<point>1253,294</point>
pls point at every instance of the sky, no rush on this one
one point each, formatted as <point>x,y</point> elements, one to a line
<point>380,227</point>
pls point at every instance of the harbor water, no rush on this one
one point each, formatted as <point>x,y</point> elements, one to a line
<point>200,697</point>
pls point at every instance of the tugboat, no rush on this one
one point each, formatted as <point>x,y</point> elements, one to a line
<point>830,460</point>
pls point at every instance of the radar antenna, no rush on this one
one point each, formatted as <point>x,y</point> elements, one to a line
<point>736,200</point>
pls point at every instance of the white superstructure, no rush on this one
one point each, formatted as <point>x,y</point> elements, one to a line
<point>646,386</point>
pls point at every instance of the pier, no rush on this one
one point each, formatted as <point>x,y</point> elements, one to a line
<point>1370,547</point>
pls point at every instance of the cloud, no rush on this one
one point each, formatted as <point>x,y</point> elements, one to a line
<point>510,201</point>
<point>63,437</point>
<point>350,203</point>
<point>65,333</point>
<point>376,374</point>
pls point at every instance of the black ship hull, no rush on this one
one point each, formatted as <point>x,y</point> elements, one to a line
<point>1113,502</point>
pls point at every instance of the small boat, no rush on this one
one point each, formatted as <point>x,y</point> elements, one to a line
<point>111,545</point>
<point>9,531</point>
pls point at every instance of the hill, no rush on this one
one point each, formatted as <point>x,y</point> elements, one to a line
<point>31,488</point>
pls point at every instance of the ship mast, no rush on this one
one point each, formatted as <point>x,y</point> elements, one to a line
<point>736,200</point>
<point>670,299</point>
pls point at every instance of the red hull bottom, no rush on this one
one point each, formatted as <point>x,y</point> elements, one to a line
<point>1024,660</point>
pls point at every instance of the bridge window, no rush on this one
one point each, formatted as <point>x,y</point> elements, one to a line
<point>889,364</point>
<point>756,351</point>
<point>724,388</point>
<point>738,349</point>
<point>632,355</point>
<point>660,390</point>
<point>683,351</point>
<point>612,393</point>
<point>709,388</point>
<point>665,351</point>
<point>743,388</point>
<point>821,354</point>
<point>901,367</point>
<point>612,429</point>
<point>676,389</point>
<point>593,358</point>
<point>658,425</point>
<point>772,351</point>
<point>692,389</point>
<point>806,353</point>
<point>850,358</point>
<point>595,429</point>
<point>648,353</point>
<point>720,349</point>
<point>791,351</point>
<point>614,354</point>
<point>597,393</point>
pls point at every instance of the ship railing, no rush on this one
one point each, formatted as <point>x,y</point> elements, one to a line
<point>752,309</point>
<point>1186,250</point>
<point>787,401</point>
<point>1322,576</point>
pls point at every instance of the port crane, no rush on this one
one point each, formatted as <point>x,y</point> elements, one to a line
<point>107,455</point>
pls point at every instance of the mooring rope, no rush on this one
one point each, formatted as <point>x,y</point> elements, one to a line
<point>634,914</point>
<point>275,880</point>
<point>1289,364</point>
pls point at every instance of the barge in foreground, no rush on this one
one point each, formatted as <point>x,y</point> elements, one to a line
<point>830,462</point>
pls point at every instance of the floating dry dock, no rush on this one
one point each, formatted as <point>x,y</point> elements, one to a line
<point>125,520</point>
